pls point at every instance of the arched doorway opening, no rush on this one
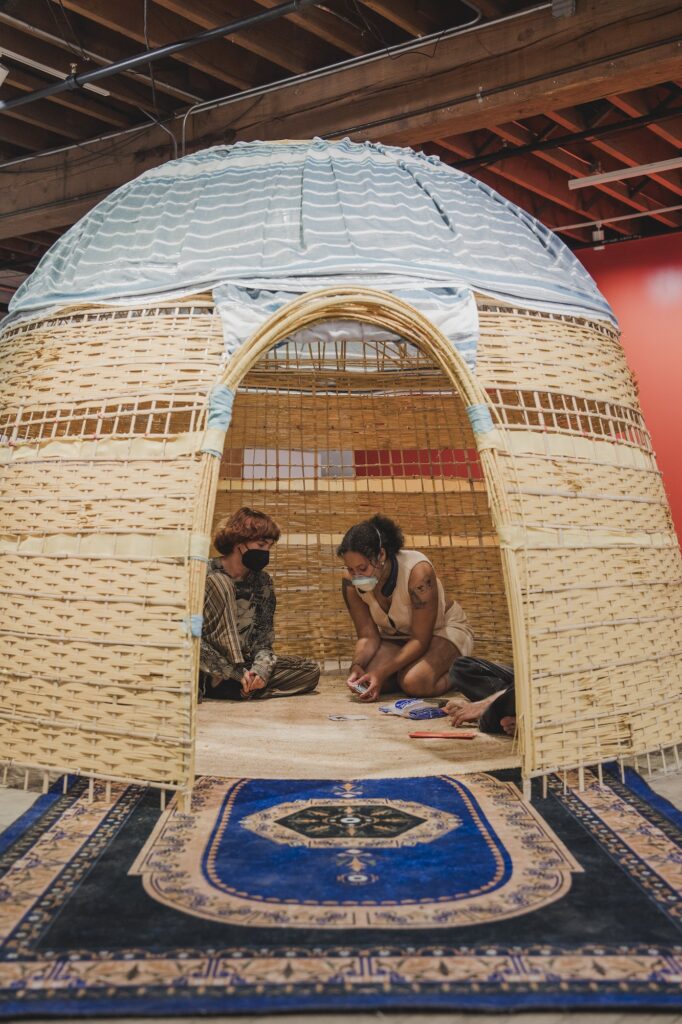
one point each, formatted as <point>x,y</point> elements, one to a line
<point>350,402</point>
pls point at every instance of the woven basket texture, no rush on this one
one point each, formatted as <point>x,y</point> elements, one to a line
<point>553,530</point>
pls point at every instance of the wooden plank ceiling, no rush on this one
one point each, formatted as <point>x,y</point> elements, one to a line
<point>529,159</point>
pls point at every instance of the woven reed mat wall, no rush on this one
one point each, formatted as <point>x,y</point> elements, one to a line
<point>100,412</point>
<point>103,501</point>
<point>590,528</point>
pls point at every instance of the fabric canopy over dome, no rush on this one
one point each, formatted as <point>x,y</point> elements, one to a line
<point>270,213</point>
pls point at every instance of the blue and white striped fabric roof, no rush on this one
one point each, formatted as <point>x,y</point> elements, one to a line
<point>271,213</point>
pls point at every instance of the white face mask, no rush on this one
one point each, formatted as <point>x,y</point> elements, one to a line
<point>365,583</point>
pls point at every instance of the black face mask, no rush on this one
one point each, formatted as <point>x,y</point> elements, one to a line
<point>255,559</point>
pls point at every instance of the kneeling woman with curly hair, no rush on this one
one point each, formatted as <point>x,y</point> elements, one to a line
<point>237,660</point>
<point>408,635</point>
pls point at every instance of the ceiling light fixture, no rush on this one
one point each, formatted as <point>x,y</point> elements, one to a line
<point>598,237</point>
<point>626,172</point>
<point>20,58</point>
<point>623,216</point>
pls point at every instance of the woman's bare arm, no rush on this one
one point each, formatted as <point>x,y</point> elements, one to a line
<point>368,639</point>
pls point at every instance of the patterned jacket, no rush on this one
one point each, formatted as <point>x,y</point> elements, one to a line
<point>239,623</point>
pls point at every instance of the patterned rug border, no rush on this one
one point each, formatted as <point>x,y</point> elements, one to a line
<point>333,1003</point>
<point>20,828</point>
<point>638,785</point>
<point>373,978</point>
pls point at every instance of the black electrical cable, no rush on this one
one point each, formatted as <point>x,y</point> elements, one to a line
<point>150,65</point>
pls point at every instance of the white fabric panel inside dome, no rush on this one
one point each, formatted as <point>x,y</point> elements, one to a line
<point>452,310</point>
<point>315,211</point>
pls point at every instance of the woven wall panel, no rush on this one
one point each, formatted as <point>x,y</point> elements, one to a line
<point>462,514</point>
<point>559,354</point>
<point>30,653</point>
<point>603,625</point>
<point>134,582</point>
<point>98,669</point>
<point>604,629</point>
<point>595,499</point>
<point>104,755</point>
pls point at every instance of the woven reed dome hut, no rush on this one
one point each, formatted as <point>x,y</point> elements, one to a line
<point>323,330</point>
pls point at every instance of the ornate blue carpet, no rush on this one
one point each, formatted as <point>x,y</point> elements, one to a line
<point>433,893</point>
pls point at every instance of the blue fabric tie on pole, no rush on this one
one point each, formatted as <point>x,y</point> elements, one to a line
<point>194,624</point>
<point>220,407</point>
<point>219,416</point>
<point>480,418</point>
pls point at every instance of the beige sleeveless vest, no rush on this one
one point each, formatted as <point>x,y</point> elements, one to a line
<point>396,623</point>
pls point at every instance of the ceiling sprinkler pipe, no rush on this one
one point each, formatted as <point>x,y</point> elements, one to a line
<point>73,82</point>
<point>294,80</point>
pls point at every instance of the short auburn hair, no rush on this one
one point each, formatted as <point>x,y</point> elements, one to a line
<point>243,526</point>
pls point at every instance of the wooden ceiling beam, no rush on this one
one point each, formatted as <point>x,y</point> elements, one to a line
<point>335,28</point>
<point>44,238</point>
<point>626,148</point>
<point>498,73</point>
<point>220,59</point>
<point>27,136</point>
<point>104,46</point>
<point>575,167</point>
<point>53,55</point>
<point>21,246</point>
<point>51,213</point>
<point>176,79</point>
<point>419,19</point>
<point>43,114</point>
<point>491,8</point>
<point>78,100</point>
<point>282,44</point>
<point>635,105</point>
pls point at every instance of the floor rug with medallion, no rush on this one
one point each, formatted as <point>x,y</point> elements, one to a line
<point>276,895</point>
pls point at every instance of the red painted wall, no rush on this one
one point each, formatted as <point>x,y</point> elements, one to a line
<point>643,282</point>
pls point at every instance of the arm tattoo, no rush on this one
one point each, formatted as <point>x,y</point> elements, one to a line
<point>345,584</point>
<point>422,593</point>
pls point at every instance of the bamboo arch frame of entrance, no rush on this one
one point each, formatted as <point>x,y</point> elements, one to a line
<point>383,310</point>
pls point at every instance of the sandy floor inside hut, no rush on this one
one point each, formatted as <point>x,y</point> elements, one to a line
<point>294,738</point>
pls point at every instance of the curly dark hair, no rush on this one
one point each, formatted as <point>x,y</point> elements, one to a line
<point>370,536</point>
<point>243,526</point>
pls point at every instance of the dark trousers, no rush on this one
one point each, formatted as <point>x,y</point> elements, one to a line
<point>477,679</point>
<point>290,677</point>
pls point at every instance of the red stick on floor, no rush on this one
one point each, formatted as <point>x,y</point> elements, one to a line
<point>452,735</point>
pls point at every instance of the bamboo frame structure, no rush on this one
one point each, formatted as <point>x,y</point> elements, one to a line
<point>108,501</point>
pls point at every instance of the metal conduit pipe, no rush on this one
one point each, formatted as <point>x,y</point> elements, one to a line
<point>261,90</point>
<point>146,57</point>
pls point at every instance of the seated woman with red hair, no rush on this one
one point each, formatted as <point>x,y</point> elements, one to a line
<point>237,660</point>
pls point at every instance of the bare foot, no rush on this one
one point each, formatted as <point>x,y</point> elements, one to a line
<point>508,723</point>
